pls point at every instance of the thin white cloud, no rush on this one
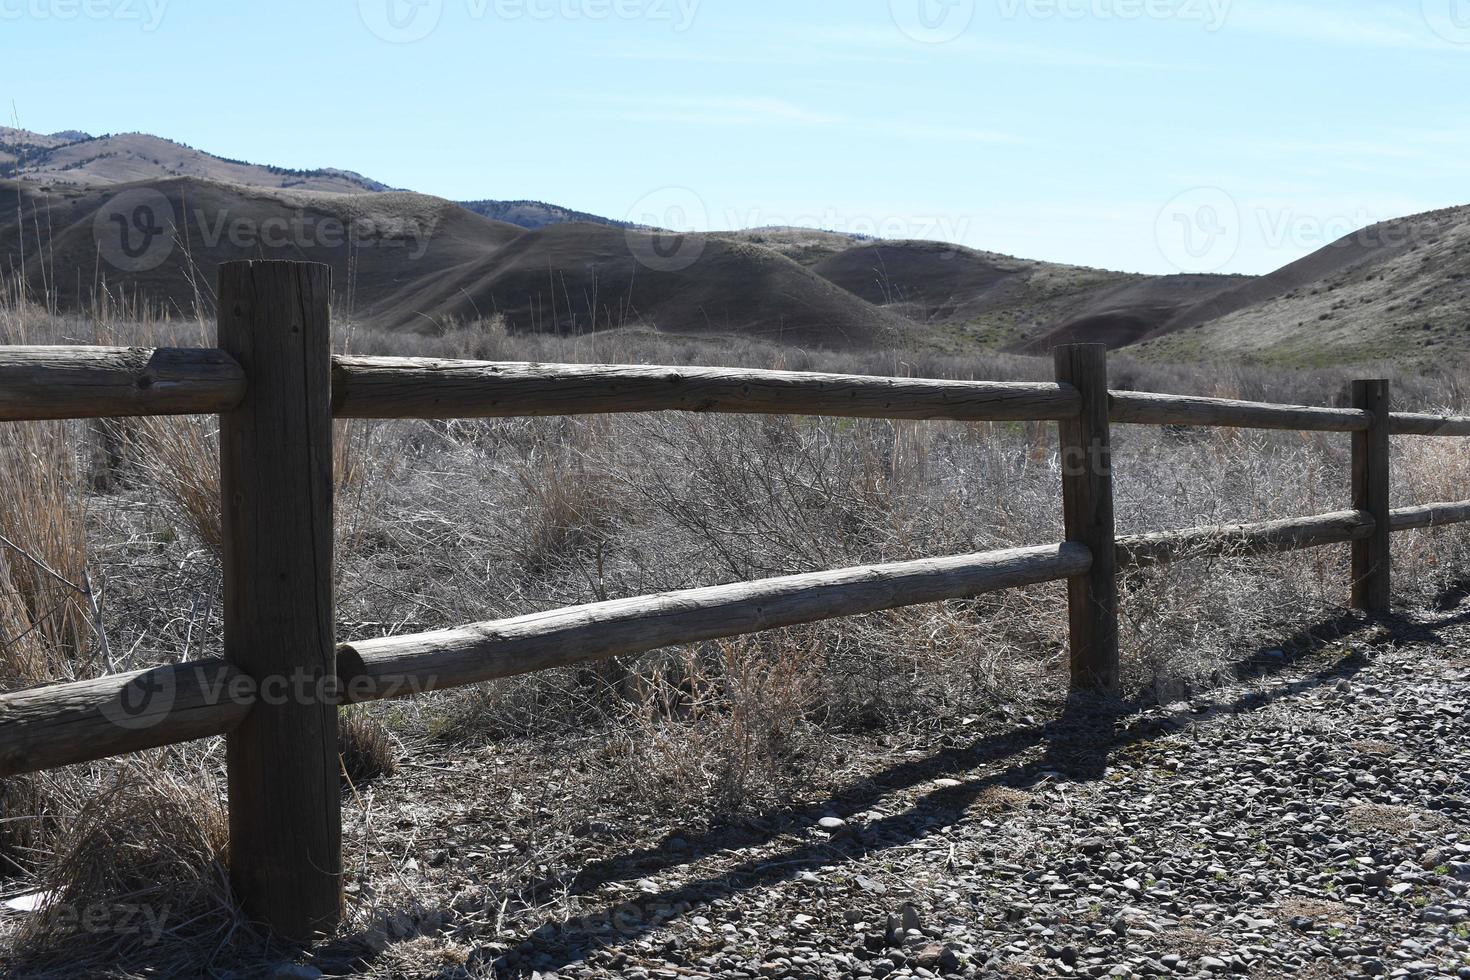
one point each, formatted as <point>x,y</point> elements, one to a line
<point>1354,24</point>
<point>868,44</point>
<point>973,45</point>
<point>722,111</point>
<point>952,134</point>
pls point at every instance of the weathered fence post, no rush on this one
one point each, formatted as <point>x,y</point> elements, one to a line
<point>1372,557</point>
<point>1087,494</point>
<point>276,485</point>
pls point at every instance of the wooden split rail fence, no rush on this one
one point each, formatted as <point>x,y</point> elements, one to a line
<point>275,693</point>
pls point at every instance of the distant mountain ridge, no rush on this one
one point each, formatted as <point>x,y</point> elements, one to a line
<point>1398,290</point>
<point>77,159</point>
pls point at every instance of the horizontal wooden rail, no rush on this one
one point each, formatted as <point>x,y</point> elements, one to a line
<point>65,724</point>
<point>540,641</point>
<point>1244,539</point>
<point>116,382</point>
<point>420,388</point>
<point>1430,515</point>
<point>1411,424</point>
<point>57,382</point>
<point>1292,534</point>
<point>1145,408</point>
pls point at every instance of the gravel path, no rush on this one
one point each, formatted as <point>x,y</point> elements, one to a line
<point>1313,821</point>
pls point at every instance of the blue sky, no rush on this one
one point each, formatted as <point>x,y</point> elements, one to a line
<point>1146,135</point>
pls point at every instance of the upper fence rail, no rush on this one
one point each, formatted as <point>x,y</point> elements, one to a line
<point>72,382</point>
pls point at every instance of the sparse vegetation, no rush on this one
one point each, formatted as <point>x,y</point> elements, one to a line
<point>443,524</point>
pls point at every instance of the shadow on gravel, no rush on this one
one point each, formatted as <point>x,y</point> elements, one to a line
<point>1075,746</point>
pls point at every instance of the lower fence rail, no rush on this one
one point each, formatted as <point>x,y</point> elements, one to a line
<point>65,724</point>
<point>88,720</point>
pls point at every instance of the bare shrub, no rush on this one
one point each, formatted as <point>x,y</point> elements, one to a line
<point>569,503</point>
<point>728,730</point>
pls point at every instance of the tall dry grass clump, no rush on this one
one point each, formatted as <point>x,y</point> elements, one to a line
<point>1431,565</point>
<point>726,727</point>
<point>47,632</point>
<point>137,873</point>
<point>180,457</point>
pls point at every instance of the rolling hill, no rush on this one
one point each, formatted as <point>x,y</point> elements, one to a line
<point>1400,289</point>
<point>69,246</point>
<point>408,261</point>
<point>583,277</point>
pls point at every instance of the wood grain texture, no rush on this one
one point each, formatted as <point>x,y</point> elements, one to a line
<point>1145,408</point>
<point>276,480</point>
<point>64,724</point>
<point>113,382</point>
<point>421,388</point>
<point>1430,515</point>
<point>1373,555</point>
<point>1087,505</point>
<point>404,665</point>
<point>1139,550</point>
<point>1414,424</point>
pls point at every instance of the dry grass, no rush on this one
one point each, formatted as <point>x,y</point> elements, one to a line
<point>729,726</point>
<point>365,746</point>
<point>443,524</point>
<point>45,627</point>
<point>137,869</point>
